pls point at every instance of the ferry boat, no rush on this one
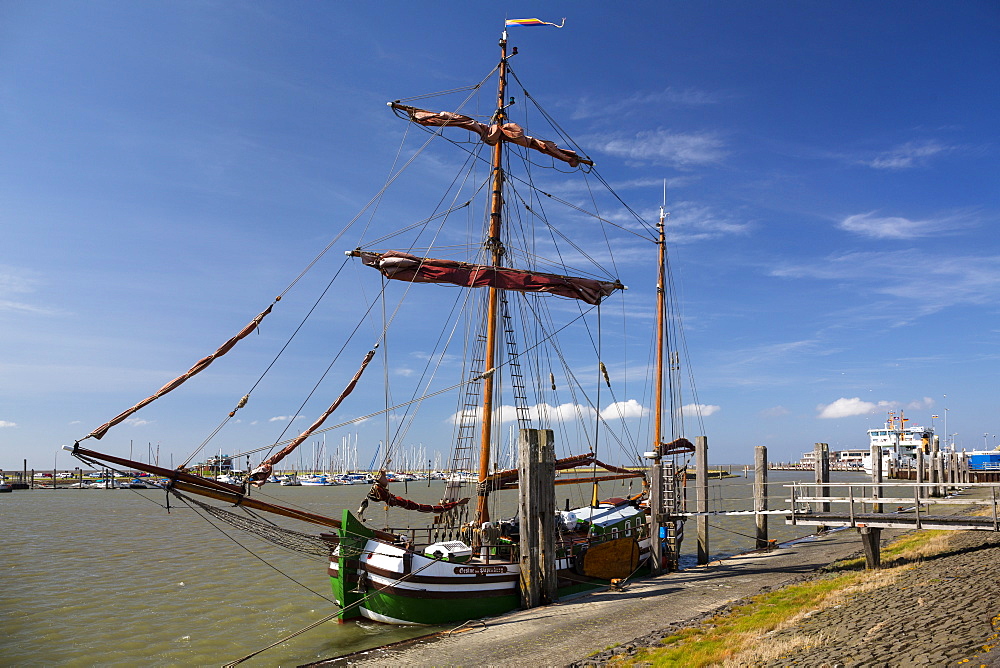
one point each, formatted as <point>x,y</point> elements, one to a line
<point>898,443</point>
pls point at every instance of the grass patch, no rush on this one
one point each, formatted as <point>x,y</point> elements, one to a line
<point>724,637</point>
<point>739,637</point>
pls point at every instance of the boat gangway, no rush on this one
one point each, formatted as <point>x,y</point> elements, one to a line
<point>914,506</point>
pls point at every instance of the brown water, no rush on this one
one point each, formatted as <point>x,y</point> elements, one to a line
<point>110,577</point>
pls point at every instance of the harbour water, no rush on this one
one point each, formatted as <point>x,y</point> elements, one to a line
<point>111,577</point>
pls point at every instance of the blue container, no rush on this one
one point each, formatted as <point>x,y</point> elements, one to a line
<point>984,461</point>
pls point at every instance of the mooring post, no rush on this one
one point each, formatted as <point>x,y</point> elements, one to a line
<point>876,454</point>
<point>932,476</point>
<point>701,495</point>
<point>871,538</point>
<point>537,512</point>
<point>821,468</point>
<point>920,475</point>
<point>942,483</point>
<point>760,493</point>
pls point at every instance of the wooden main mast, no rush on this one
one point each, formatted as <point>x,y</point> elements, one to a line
<point>495,246</point>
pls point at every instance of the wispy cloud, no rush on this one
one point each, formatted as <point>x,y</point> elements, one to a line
<point>896,227</point>
<point>668,97</point>
<point>16,283</point>
<point>927,283</point>
<point>908,155</point>
<point>690,221</point>
<point>7,423</point>
<point>681,150</point>
<point>285,418</point>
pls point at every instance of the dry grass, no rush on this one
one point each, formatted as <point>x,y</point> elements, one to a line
<point>744,636</point>
<point>764,649</point>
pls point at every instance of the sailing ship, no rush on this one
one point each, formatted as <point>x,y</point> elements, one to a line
<point>467,562</point>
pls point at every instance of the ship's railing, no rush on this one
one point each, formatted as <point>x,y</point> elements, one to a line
<point>501,549</point>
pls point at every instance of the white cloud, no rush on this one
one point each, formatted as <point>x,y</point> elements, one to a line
<point>137,422</point>
<point>896,227</point>
<point>663,147</point>
<point>568,412</point>
<point>910,154</point>
<point>285,418</point>
<point>7,423</point>
<point>624,409</point>
<point>845,407</point>
<point>775,411</point>
<point>704,410</point>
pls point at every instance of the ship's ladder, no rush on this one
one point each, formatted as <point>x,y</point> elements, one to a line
<point>670,503</point>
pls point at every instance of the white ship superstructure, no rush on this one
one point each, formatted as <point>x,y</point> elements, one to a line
<point>898,443</point>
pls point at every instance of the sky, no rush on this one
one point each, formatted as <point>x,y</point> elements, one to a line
<point>832,169</point>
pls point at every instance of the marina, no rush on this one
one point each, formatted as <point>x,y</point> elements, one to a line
<point>447,244</point>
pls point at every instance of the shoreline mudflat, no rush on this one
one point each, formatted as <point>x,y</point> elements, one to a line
<point>574,630</point>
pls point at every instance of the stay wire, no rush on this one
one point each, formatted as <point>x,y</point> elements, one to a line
<point>274,361</point>
<point>328,617</point>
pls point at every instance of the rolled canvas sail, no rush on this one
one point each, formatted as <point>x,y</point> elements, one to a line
<point>406,267</point>
<point>491,134</point>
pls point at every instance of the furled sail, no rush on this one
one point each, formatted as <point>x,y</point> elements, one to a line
<point>380,493</point>
<point>261,473</point>
<point>491,134</point>
<point>509,477</point>
<point>199,366</point>
<point>406,267</point>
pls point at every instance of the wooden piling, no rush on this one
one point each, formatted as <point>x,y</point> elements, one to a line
<point>701,495</point>
<point>760,493</point>
<point>932,465</point>
<point>537,511</point>
<point>871,539</point>
<point>876,455</point>
<point>939,466</point>
<point>821,469</point>
<point>920,469</point>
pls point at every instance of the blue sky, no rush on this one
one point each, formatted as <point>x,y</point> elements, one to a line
<point>167,168</point>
